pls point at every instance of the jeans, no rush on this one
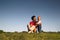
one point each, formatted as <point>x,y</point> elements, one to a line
<point>39,28</point>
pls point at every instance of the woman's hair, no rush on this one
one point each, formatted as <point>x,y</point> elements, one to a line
<point>33,17</point>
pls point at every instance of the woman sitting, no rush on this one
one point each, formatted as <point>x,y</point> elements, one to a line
<point>32,25</point>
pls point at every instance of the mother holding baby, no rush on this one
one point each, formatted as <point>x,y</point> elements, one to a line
<point>34,25</point>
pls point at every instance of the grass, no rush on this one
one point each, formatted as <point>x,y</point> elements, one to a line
<point>31,36</point>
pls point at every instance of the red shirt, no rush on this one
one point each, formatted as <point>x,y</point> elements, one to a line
<point>33,23</point>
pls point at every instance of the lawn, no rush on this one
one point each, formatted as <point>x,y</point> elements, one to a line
<point>31,36</point>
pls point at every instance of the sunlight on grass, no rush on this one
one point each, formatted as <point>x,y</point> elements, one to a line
<point>27,36</point>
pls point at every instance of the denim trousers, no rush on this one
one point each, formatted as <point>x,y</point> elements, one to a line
<point>39,28</point>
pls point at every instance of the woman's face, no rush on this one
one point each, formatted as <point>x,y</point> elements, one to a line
<point>34,19</point>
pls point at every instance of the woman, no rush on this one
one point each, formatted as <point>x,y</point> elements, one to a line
<point>32,25</point>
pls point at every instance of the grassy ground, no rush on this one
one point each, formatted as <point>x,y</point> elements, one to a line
<point>27,36</point>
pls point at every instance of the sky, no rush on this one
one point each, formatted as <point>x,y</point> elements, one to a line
<point>16,14</point>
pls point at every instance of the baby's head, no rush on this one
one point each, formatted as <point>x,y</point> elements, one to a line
<point>39,18</point>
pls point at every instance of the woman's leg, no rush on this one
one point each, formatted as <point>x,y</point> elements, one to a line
<point>32,29</point>
<point>28,28</point>
<point>35,30</point>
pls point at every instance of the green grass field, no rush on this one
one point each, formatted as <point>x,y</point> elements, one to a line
<point>31,36</point>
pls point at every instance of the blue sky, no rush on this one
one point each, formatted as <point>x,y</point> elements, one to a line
<point>16,14</point>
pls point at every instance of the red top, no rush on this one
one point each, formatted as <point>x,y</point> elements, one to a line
<point>33,23</point>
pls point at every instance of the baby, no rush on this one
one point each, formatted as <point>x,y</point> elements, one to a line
<point>39,24</point>
<point>39,20</point>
